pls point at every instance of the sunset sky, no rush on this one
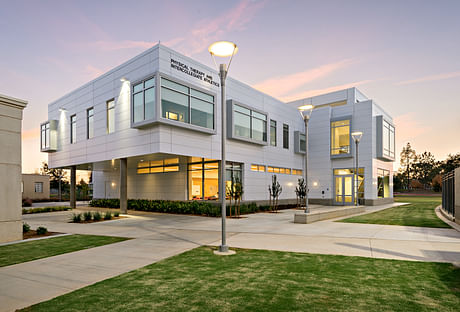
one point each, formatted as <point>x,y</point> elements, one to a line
<point>402,54</point>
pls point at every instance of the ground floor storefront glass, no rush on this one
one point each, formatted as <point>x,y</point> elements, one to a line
<point>383,183</point>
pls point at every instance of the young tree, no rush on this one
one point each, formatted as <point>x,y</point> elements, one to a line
<point>408,157</point>
<point>275,190</point>
<point>301,191</point>
<point>57,177</point>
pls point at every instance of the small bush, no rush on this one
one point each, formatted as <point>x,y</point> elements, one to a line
<point>116,214</point>
<point>27,202</point>
<point>25,228</point>
<point>97,216</point>
<point>41,230</point>
<point>76,217</point>
<point>108,215</point>
<point>87,216</point>
<point>45,209</point>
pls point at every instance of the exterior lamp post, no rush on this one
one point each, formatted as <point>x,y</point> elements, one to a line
<point>223,49</point>
<point>305,112</point>
<point>356,137</point>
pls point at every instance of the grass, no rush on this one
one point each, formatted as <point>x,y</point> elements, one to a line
<point>420,212</point>
<point>33,250</point>
<point>45,209</point>
<point>261,280</point>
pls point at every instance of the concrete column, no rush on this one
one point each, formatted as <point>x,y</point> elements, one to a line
<point>73,186</point>
<point>10,168</point>
<point>124,185</point>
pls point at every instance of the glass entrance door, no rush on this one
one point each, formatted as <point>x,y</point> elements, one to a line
<point>343,186</point>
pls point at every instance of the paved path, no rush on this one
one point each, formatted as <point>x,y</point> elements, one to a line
<point>158,236</point>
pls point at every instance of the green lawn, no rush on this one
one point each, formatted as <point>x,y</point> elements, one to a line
<point>261,280</point>
<point>420,212</point>
<point>33,250</point>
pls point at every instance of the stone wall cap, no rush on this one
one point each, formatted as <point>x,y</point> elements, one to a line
<point>11,101</point>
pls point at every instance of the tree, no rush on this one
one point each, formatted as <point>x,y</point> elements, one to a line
<point>274,190</point>
<point>451,162</point>
<point>425,167</point>
<point>57,177</point>
<point>408,156</point>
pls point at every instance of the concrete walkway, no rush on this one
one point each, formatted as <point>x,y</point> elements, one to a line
<point>158,236</point>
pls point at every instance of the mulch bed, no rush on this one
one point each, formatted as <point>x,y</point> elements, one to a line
<point>93,221</point>
<point>33,234</point>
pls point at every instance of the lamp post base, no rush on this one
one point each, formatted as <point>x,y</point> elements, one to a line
<point>224,251</point>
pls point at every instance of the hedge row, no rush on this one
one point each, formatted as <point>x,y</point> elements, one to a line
<point>45,209</point>
<point>180,207</point>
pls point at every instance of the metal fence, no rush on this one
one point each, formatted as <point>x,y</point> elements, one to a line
<point>448,192</point>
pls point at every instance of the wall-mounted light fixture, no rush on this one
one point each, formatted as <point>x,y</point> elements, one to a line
<point>62,109</point>
<point>123,79</point>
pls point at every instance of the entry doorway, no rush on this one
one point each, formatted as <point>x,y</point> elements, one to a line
<point>343,186</point>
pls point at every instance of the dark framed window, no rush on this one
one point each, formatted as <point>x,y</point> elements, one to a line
<point>73,129</point>
<point>45,135</point>
<point>144,100</point>
<point>111,116</point>
<point>272,132</point>
<point>285,136</point>
<point>340,137</point>
<point>90,123</point>
<point>187,105</point>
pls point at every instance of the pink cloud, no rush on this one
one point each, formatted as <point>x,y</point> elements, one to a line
<point>430,78</point>
<point>235,19</point>
<point>315,92</point>
<point>280,86</point>
<point>110,45</point>
<point>408,128</point>
<point>30,134</point>
<point>93,72</point>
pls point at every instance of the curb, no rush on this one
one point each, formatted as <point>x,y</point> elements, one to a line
<point>441,216</point>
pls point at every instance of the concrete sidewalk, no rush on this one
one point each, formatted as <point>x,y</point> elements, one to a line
<point>158,236</point>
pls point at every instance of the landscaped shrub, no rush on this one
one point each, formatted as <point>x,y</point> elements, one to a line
<point>27,202</point>
<point>76,217</point>
<point>45,209</point>
<point>202,208</point>
<point>108,215</point>
<point>25,228</point>
<point>116,214</point>
<point>97,216</point>
<point>87,216</point>
<point>41,230</point>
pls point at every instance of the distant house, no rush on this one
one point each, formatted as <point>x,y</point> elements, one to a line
<point>35,186</point>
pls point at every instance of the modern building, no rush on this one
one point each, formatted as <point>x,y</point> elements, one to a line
<point>35,186</point>
<point>10,168</point>
<point>150,127</point>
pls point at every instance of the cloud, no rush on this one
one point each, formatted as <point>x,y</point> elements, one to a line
<point>408,127</point>
<point>430,78</point>
<point>315,92</point>
<point>110,45</point>
<point>280,86</point>
<point>93,72</point>
<point>235,19</point>
<point>31,134</point>
<point>173,42</point>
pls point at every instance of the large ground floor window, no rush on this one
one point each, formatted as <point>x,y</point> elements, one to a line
<point>203,177</point>
<point>346,188</point>
<point>383,183</point>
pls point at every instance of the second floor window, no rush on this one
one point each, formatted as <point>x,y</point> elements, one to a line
<point>110,116</point>
<point>340,137</point>
<point>45,135</point>
<point>285,136</point>
<point>272,132</point>
<point>388,139</point>
<point>144,100</point>
<point>73,129</point>
<point>90,123</point>
<point>249,124</point>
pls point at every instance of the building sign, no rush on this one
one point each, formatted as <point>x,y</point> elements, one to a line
<point>189,70</point>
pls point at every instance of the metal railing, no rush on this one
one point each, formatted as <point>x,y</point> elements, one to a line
<point>448,192</point>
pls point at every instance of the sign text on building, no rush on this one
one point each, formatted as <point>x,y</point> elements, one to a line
<point>189,70</point>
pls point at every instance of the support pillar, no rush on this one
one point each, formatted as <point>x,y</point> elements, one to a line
<point>73,183</point>
<point>124,185</point>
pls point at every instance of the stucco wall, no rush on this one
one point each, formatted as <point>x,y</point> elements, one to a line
<point>29,180</point>
<point>10,168</point>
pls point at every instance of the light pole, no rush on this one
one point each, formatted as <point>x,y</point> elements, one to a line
<point>305,112</point>
<point>223,49</point>
<point>356,137</point>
